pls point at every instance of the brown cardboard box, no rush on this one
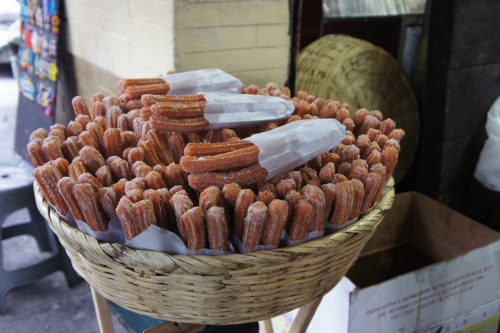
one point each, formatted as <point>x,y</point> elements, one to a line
<point>427,268</point>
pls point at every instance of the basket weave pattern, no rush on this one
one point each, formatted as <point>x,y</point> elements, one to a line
<point>356,72</point>
<point>228,289</point>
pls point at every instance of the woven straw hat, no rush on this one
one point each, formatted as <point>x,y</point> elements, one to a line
<point>356,72</point>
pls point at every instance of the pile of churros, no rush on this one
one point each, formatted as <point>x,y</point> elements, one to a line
<point>131,158</point>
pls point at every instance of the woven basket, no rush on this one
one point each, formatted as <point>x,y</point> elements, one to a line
<point>358,73</point>
<point>228,289</point>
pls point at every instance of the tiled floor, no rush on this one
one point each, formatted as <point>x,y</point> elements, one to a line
<point>47,305</point>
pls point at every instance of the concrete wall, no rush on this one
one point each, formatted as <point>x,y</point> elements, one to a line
<point>113,39</point>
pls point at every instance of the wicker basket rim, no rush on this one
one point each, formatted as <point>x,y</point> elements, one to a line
<point>225,289</point>
<point>384,204</point>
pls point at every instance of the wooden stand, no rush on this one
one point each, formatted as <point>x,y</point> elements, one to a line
<point>103,314</point>
<point>101,307</point>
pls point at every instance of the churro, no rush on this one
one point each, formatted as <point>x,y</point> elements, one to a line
<point>144,214</point>
<point>316,197</point>
<point>108,201</point>
<point>244,199</point>
<point>154,180</point>
<point>194,228</point>
<point>119,167</point>
<point>112,142</point>
<point>344,195</point>
<point>181,203</point>
<point>141,169</point>
<point>235,159</point>
<point>291,199</point>
<point>47,177</point>
<point>371,182</point>
<point>150,155</point>
<point>302,219</point>
<point>216,225</point>
<point>244,177</point>
<point>92,158</point>
<point>163,123</point>
<point>278,212</point>
<point>125,213</point>
<point>51,147</point>
<point>135,155</point>
<point>396,134</point>
<point>89,205</point>
<point>389,160</point>
<point>70,148</point>
<point>176,143</point>
<point>40,133</point>
<point>159,203</point>
<point>285,186</point>
<point>230,192</point>
<point>327,172</point>
<point>204,149</point>
<point>135,195</point>
<point>65,186</point>
<point>36,152</point>
<point>160,142</point>
<point>87,178</point>
<point>357,202</point>
<point>80,106</point>
<point>254,222</point>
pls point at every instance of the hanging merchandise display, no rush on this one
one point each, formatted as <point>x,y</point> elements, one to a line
<point>40,27</point>
<point>27,86</point>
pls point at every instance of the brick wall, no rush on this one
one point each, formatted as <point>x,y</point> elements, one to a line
<point>113,39</point>
<point>249,39</point>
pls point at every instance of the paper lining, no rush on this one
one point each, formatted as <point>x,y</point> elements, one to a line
<point>332,228</point>
<point>241,249</point>
<point>68,218</point>
<point>311,235</point>
<point>114,234</point>
<point>155,238</point>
